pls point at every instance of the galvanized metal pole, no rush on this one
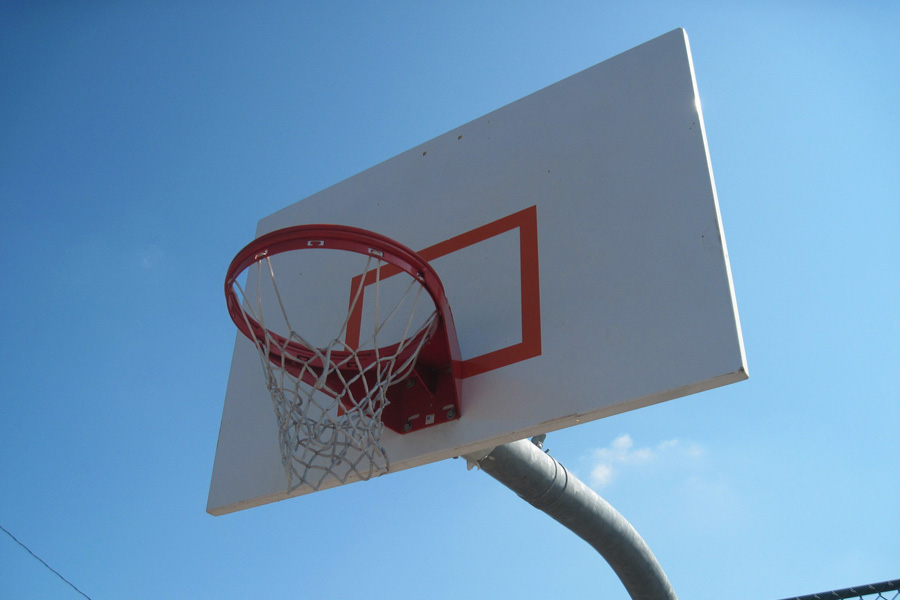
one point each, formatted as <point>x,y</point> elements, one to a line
<point>545,484</point>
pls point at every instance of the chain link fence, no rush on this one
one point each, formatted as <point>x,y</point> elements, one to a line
<point>886,590</point>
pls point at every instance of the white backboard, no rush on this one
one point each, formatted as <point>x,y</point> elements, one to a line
<point>578,237</point>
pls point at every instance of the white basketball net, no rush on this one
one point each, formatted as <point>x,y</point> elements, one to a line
<point>329,419</point>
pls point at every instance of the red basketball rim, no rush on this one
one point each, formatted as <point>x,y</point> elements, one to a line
<point>335,237</point>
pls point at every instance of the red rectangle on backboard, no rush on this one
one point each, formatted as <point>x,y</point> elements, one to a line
<point>525,221</point>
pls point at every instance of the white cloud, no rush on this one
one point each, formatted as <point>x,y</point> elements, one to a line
<point>150,256</point>
<point>607,463</point>
<point>601,474</point>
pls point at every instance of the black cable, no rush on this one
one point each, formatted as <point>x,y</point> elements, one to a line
<point>43,563</point>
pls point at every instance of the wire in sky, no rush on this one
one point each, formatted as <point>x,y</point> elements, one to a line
<point>43,563</point>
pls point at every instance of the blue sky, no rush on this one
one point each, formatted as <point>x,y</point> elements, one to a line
<point>139,145</point>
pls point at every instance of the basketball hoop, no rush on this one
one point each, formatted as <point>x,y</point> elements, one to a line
<point>332,399</point>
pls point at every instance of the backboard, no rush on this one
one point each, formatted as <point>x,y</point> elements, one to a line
<point>577,235</point>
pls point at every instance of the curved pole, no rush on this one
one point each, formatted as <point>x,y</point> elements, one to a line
<point>545,484</point>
